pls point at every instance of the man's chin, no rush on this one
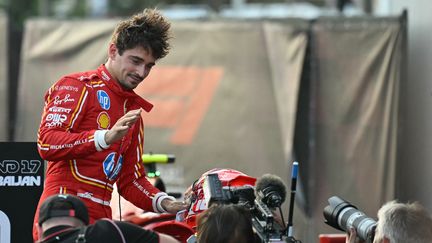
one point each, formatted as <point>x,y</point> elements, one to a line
<point>127,87</point>
<point>133,84</point>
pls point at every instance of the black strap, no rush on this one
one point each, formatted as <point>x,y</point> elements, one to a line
<point>81,235</point>
<point>118,230</point>
<point>59,234</point>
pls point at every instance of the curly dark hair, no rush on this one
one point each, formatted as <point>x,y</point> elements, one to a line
<point>149,29</point>
<point>225,223</point>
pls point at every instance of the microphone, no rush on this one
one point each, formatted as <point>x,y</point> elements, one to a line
<point>294,174</point>
<point>271,190</point>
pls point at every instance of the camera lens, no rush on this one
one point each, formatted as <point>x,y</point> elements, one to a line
<point>351,217</point>
<point>342,215</point>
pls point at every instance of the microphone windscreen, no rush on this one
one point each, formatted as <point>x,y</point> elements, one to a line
<point>270,181</point>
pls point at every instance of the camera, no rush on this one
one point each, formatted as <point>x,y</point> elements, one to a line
<point>263,220</point>
<point>342,215</point>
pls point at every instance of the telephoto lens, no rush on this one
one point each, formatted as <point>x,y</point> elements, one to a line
<point>342,215</point>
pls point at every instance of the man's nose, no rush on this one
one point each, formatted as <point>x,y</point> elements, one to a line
<point>142,71</point>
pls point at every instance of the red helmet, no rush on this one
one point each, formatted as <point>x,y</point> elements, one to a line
<point>228,177</point>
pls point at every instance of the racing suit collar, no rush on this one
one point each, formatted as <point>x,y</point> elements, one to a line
<point>114,86</point>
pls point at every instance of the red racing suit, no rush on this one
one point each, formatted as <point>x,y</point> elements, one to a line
<point>79,108</point>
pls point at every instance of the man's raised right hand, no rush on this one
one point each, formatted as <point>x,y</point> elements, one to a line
<point>121,127</point>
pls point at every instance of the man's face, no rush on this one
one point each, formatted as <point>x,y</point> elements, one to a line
<point>132,67</point>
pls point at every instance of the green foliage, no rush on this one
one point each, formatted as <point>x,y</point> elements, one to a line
<point>129,7</point>
<point>80,9</point>
<point>19,10</point>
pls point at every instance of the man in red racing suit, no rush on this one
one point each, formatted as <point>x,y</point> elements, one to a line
<point>92,133</point>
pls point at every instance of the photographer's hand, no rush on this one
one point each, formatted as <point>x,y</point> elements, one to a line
<point>278,218</point>
<point>352,237</point>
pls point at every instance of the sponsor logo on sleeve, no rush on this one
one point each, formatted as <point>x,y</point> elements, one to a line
<point>58,100</point>
<point>69,145</point>
<point>104,99</point>
<point>53,124</point>
<point>66,87</point>
<point>58,109</point>
<point>141,188</point>
<point>103,120</point>
<point>55,119</point>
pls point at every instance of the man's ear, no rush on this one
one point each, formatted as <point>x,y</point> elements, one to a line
<point>112,51</point>
<point>385,240</point>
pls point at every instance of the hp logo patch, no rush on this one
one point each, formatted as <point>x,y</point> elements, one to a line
<point>104,99</point>
<point>111,166</point>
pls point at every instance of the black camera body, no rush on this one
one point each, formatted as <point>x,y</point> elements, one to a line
<point>263,220</point>
<point>342,215</point>
<point>264,224</point>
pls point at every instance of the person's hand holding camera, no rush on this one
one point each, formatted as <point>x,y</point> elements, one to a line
<point>352,237</point>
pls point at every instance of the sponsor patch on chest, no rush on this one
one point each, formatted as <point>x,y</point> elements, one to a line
<point>112,165</point>
<point>104,99</point>
<point>103,120</point>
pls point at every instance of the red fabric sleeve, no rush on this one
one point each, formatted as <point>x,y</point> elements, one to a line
<point>65,106</point>
<point>132,184</point>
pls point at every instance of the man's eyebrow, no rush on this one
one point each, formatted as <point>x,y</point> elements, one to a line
<point>137,58</point>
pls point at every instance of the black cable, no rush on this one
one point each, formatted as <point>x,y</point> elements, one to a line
<point>282,217</point>
<point>119,199</point>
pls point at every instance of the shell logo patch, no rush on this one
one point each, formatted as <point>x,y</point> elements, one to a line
<point>103,120</point>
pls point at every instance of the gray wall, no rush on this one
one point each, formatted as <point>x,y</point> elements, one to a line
<point>414,177</point>
<point>3,77</point>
